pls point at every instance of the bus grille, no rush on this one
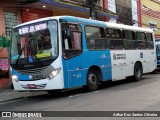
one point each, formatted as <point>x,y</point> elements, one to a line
<point>32,71</point>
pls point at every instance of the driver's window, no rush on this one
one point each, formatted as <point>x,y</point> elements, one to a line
<point>76,40</point>
<point>72,45</point>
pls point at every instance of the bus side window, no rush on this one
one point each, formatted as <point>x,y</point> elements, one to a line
<point>141,40</point>
<point>129,41</point>
<point>149,38</point>
<point>114,37</point>
<point>95,37</point>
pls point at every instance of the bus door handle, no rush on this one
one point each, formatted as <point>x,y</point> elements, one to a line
<point>114,64</point>
<point>124,63</point>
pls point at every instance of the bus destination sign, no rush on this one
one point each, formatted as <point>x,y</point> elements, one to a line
<point>32,28</point>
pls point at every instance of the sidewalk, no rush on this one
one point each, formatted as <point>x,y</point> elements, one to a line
<point>5,83</point>
<point>8,94</point>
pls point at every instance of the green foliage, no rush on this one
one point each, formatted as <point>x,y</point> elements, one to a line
<point>4,42</point>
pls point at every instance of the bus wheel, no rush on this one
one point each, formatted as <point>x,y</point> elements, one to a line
<point>137,72</point>
<point>92,80</point>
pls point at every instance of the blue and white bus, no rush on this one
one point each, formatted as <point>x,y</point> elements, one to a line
<point>63,52</point>
<point>158,52</point>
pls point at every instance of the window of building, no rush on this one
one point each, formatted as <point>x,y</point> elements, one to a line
<point>129,39</point>
<point>11,20</point>
<point>141,40</point>
<point>114,37</point>
<point>124,10</point>
<point>95,37</point>
<point>149,39</point>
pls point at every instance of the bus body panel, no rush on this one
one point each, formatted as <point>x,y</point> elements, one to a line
<point>76,68</point>
<point>119,66</point>
<point>123,62</point>
<point>24,81</point>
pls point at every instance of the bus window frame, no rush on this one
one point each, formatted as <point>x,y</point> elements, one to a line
<point>133,39</point>
<point>145,47</point>
<point>73,52</point>
<point>115,39</point>
<point>104,38</point>
<point>150,41</point>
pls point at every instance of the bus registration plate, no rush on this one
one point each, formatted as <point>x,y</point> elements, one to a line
<point>38,76</point>
<point>31,86</point>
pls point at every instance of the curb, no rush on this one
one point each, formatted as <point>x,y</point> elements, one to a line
<point>13,94</point>
<point>3,101</point>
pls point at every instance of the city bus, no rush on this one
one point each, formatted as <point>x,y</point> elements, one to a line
<point>65,52</point>
<point>158,52</point>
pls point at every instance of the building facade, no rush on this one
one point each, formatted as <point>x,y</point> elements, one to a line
<point>150,15</point>
<point>131,12</point>
<point>14,12</point>
<point>9,17</point>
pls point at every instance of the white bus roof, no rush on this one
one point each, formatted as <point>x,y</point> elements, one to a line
<point>109,25</point>
<point>38,20</point>
<point>127,27</point>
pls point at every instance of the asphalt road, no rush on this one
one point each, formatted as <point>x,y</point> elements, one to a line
<point>117,96</point>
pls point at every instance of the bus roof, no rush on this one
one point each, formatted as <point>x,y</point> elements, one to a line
<point>37,20</point>
<point>91,22</point>
<point>128,27</point>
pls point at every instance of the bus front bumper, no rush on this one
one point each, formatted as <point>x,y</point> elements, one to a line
<point>44,84</point>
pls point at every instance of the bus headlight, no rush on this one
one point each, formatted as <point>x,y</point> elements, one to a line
<point>14,77</point>
<point>54,73</point>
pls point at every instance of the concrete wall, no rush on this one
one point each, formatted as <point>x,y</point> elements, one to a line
<point>4,51</point>
<point>2,24</point>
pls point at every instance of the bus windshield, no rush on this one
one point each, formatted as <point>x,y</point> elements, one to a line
<point>34,44</point>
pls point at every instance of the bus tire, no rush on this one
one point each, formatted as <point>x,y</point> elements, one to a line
<point>137,72</point>
<point>92,80</point>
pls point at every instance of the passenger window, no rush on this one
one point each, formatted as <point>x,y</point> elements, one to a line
<point>141,40</point>
<point>149,38</point>
<point>129,39</point>
<point>114,37</point>
<point>95,37</point>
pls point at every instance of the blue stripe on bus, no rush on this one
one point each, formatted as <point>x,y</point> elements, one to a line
<point>20,76</point>
<point>84,21</point>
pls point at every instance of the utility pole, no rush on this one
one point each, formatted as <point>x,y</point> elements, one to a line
<point>92,6</point>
